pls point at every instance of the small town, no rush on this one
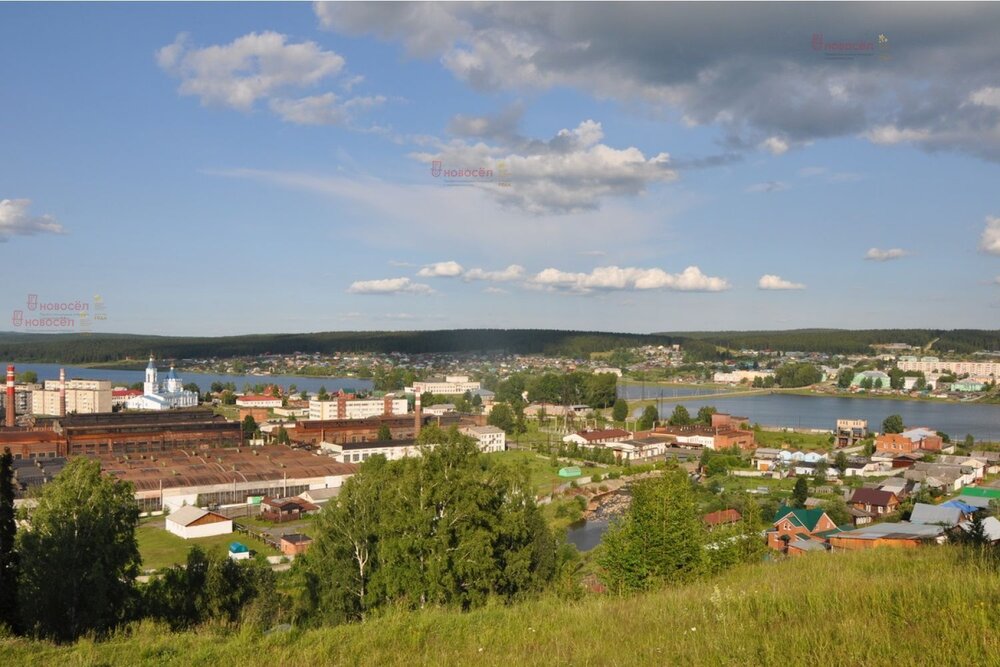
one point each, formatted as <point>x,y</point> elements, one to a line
<point>424,333</point>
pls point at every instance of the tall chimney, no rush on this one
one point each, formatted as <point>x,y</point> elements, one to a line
<point>62,392</point>
<point>417,417</point>
<point>10,396</point>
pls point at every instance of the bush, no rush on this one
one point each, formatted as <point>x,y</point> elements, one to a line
<point>602,488</point>
<point>596,478</point>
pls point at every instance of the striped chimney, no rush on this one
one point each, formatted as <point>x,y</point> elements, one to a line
<point>10,396</point>
<point>62,392</point>
<point>417,420</point>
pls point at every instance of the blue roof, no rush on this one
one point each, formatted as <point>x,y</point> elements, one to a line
<point>965,507</point>
<point>238,548</point>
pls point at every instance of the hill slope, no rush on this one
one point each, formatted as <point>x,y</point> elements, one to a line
<point>924,606</point>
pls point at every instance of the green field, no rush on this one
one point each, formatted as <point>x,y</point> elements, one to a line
<point>791,440</point>
<point>868,608</point>
<point>543,476</point>
<point>160,549</point>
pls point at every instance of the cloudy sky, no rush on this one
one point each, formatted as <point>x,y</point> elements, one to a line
<point>220,169</point>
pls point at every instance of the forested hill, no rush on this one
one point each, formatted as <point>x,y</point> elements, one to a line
<point>96,348</point>
<point>844,341</point>
<point>91,348</point>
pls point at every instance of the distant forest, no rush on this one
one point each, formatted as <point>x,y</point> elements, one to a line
<point>98,348</point>
<point>843,341</point>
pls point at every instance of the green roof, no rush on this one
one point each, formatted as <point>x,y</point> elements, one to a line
<point>802,517</point>
<point>981,492</point>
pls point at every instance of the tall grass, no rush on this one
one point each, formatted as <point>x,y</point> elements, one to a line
<point>883,607</point>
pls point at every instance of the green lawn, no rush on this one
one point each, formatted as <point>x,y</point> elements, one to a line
<point>876,608</point>
<point>542,475</point>
<point>160,548</point>
<point>790,440</point>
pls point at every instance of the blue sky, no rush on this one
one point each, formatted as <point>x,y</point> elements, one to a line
<point>239,168</point>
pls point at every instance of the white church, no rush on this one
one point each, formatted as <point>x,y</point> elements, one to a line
<point>162,396</point>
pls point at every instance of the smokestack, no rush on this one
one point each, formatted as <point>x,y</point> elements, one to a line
<point>417,417</point>
<point>62,392</point>
<point>10,396</point>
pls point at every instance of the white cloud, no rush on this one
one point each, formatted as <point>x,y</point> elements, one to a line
<point>247,69</point>
<point>325,109</point>
<point>997,280</point>
<point>774,145</point>
<point>986,96</point>
<point>879,255</point>
<point>495,290</point>
<point>388,286</point>
<point>16,220</point>
<point>770,281</point>
<point>990,241</point>
<point>628,278</point>
<point>441,270</point>
<point>512,272</point>
<point>570,173</point>
<point>887,135</point>
<point>768,186</point>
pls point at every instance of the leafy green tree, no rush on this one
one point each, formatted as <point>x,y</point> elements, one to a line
<point>969,441</point>
<point>892,424</point>
<point>502,416</point>
<point>705,413</point>
<point>800,492</point>
<point>28,377</point>
<point>191,386</point>
<point>840,462</point>
<point>797,374</point>
<point>384,433</point>
<point>866,383</point>
<point>80,558</point>
<point>844,377</point>
<point>680,417</point>
<point>837,511</point>
<point>8,556</point>
<point>282,436</point>
<point>620,412</point>
<point>659,540</point>
<point>217,387</point>
<point>249,427</point>
<point>648,418</point>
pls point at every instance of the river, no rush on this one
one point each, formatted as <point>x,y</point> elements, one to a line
<point>585,535</point>
<point>203,380</point>
<point>822,412</point>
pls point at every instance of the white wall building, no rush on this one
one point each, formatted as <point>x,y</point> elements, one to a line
<point>192,522</point>
<point>356,408</point>
<point>82,397</point>
<point>735,377</point>
<point>490,438</point>
<point>453,384</point>
<point>164,395</point>
<point>359,452</point>
<point>975,369</point>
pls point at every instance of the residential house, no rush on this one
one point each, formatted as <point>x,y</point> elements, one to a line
<point>938,515</point>
<point>991,459</point>
<point>490,438</point>
<point>594,437</point>
<point>941,475</point>
<point>766,459</point>
<point>978,465</point>
<point>791,524</point>
<point>850,431</point>
<point>991,526</point>
<point>294,544</point>
<point>286,509</point>
<point>874,501</point>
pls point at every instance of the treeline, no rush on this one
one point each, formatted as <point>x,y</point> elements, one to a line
<point>95,348</point>
<point>839,341</point>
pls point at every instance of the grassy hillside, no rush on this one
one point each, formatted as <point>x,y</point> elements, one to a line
<point>926,606</point>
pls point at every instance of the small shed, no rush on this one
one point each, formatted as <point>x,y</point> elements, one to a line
<point>294,544</point>
<point>239,551</point>
<point>191,522</point>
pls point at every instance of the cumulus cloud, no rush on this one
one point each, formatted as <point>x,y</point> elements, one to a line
<point>990,241</point>
<point>512,272</point>
<point>879,255</point>
<point>772,282</point>
<point>768,186</point>
<point>572,172</point>
<point>15,220</point>
<point>263,67</point>
<point>934,83</point>
<point>388,286</point>
<point>690,279</point>
<point>441,270</point>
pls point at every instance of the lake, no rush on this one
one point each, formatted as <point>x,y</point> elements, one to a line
<point>636,391</point>
<point>203,380</point>
<point>585,535</point>
<point>822,412</point>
